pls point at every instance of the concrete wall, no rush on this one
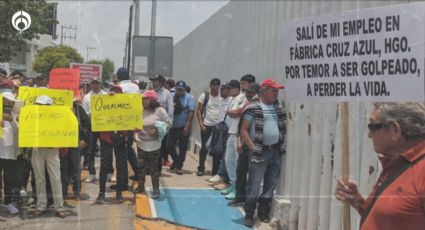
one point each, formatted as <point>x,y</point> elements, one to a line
<point>245,37</point>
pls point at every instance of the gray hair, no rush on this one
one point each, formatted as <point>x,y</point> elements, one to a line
<point>410,116</point>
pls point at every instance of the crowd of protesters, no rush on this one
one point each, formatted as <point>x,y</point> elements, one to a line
<point>242,125</point>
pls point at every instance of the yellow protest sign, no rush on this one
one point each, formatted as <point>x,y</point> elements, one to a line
<point>47,126</point>
<point>1,113</point>
<point>116,112</point>
<point>59,97</point>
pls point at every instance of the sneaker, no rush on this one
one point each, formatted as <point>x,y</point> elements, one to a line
<point>235,203</point>
<point>12,209</point>
<point>119,198</point>
<point>264,218</point>
<point>155,194</point>
<point>215,179</point>
<point>221,186</point>
<point>101,198</point>
<point>200,173</point>
<point>23,193</point>
<point>228,190</point>
<point>91,179</point>
<point>140,189</point>
<point>179,172</point>
<point>111,178</point>
<point>249,221</point>
<point>231,195</point>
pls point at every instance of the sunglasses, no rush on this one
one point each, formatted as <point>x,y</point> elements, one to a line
<point>375,126</point>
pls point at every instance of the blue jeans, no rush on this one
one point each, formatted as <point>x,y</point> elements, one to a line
<point>269,170</point>
<point>231,157</point>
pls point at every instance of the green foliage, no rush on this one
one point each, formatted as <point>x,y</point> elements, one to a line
<point>13,41</point>
<point>55,57</point>
<point>107,68</point>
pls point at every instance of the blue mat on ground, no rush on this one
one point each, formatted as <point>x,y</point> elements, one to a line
<point>202,208</point>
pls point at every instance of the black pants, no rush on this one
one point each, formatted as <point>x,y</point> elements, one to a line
<point>163,152</point>
<point>148,163</point>
<point>94,137</point>
<point>10,180</point>
<point>132,158</point>
<point>242,168</point>
<point>203,152</point>
<point>71,169</point>
<point>176,137</point>
<point>121,155</point>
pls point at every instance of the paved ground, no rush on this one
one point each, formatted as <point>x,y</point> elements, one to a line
<point>187,200</point>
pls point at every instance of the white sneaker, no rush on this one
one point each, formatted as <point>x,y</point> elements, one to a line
<point>91,179</point>
<point>12,209</point>
<point>215,179</point>
<point>111,178</point>
<point>23,193</point>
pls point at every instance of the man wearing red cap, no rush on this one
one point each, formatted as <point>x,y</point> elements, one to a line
<point>263,130</point>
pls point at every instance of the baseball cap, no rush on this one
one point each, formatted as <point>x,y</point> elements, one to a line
<point>234,84</point>
<point>271,83</point>
<point>181,85</point>
<point>9,96</point>
<point>96,79</point>
<point>43,100</point>
<point>123,73</point>
<point>158,77</point>
<point>150,94</point>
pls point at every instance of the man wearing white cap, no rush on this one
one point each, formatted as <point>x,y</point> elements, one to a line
<point>8,152</point>
<point>47,158</point>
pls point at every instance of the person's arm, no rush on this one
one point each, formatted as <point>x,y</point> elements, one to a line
<point>234,113</point>
<point>200,116</point>
<point>86,104</point>
<point>244,133</point>
<point>170,106</point>
<point>186,129</point>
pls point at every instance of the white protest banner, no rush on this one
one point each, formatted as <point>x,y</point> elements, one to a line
<point>374,54</point>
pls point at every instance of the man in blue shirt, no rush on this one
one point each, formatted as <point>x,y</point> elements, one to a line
<point>184,106</point>
<point>263,130</point>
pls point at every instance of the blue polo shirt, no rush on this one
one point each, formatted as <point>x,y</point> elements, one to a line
<point>188,104</point>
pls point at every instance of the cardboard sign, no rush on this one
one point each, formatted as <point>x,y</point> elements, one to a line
<point>363,55</point>
<point>48,126</point>
<point>88,71</point>
<point>116,112</point>
<point>59,97</point>
<point>68,79</point>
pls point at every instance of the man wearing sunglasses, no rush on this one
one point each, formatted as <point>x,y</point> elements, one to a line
<point>397,200</point>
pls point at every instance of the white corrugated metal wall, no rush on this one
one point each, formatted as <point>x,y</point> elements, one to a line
<point>245,37</point>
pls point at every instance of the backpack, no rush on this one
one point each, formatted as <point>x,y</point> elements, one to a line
<point>204,105</point>
<point>218,139</point>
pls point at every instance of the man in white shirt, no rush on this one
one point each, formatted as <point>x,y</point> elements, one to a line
<point>128,86</point>
<point>96,89</point>
<point>165,100</point>
<point>207,112</point>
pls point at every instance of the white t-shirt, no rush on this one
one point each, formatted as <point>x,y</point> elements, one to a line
<point>224,106</point>
<point>8,141</point>
<point>233,123</point>
<point>87,99</point>
<point>213,109</point>
<point>129,87</point>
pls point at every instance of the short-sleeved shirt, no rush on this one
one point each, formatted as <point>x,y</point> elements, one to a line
<point>270,128</point>
<point>188,104</point>
<point>233,122</point>
<point>212,110</point>
<point>402,204</point>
